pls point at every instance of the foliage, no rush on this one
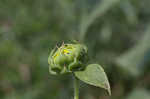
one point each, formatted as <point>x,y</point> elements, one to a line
<point>94,75</point>
<point>115,31</point>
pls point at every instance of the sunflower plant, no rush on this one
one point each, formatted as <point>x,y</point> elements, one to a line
<point>72,58</point>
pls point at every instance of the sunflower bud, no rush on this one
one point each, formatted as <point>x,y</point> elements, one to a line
<point>67,58</point>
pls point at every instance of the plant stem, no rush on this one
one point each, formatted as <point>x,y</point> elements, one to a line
<point>76,88</point>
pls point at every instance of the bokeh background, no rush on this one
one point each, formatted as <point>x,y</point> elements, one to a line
<point>117,33</point>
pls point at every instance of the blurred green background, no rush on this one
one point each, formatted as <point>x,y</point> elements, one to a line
<point>117,33</point>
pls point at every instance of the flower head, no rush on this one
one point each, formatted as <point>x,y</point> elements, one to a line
<point>67,58</point>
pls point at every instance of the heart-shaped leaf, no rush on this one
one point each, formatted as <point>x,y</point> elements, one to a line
<point>94,75</point>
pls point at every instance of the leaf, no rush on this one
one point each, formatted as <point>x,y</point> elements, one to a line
<point>94,75</point>
<point>134,59</point>
<point>100,9</point>
<point>129,11</point>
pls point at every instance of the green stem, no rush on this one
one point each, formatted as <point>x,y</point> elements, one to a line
<point>76,88</point>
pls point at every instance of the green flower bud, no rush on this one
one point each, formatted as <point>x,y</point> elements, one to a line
<point>68,58</point>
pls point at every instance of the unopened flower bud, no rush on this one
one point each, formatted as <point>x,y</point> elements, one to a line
<point>67,58</point>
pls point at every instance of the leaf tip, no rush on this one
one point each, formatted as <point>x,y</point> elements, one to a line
<point>107,87</point>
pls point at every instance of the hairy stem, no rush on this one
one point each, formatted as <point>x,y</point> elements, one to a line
<point>76,88</point>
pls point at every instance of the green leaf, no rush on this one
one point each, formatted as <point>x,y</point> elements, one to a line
<point>132,61</point>
<point>100,9</point>
<point>94,75</point>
